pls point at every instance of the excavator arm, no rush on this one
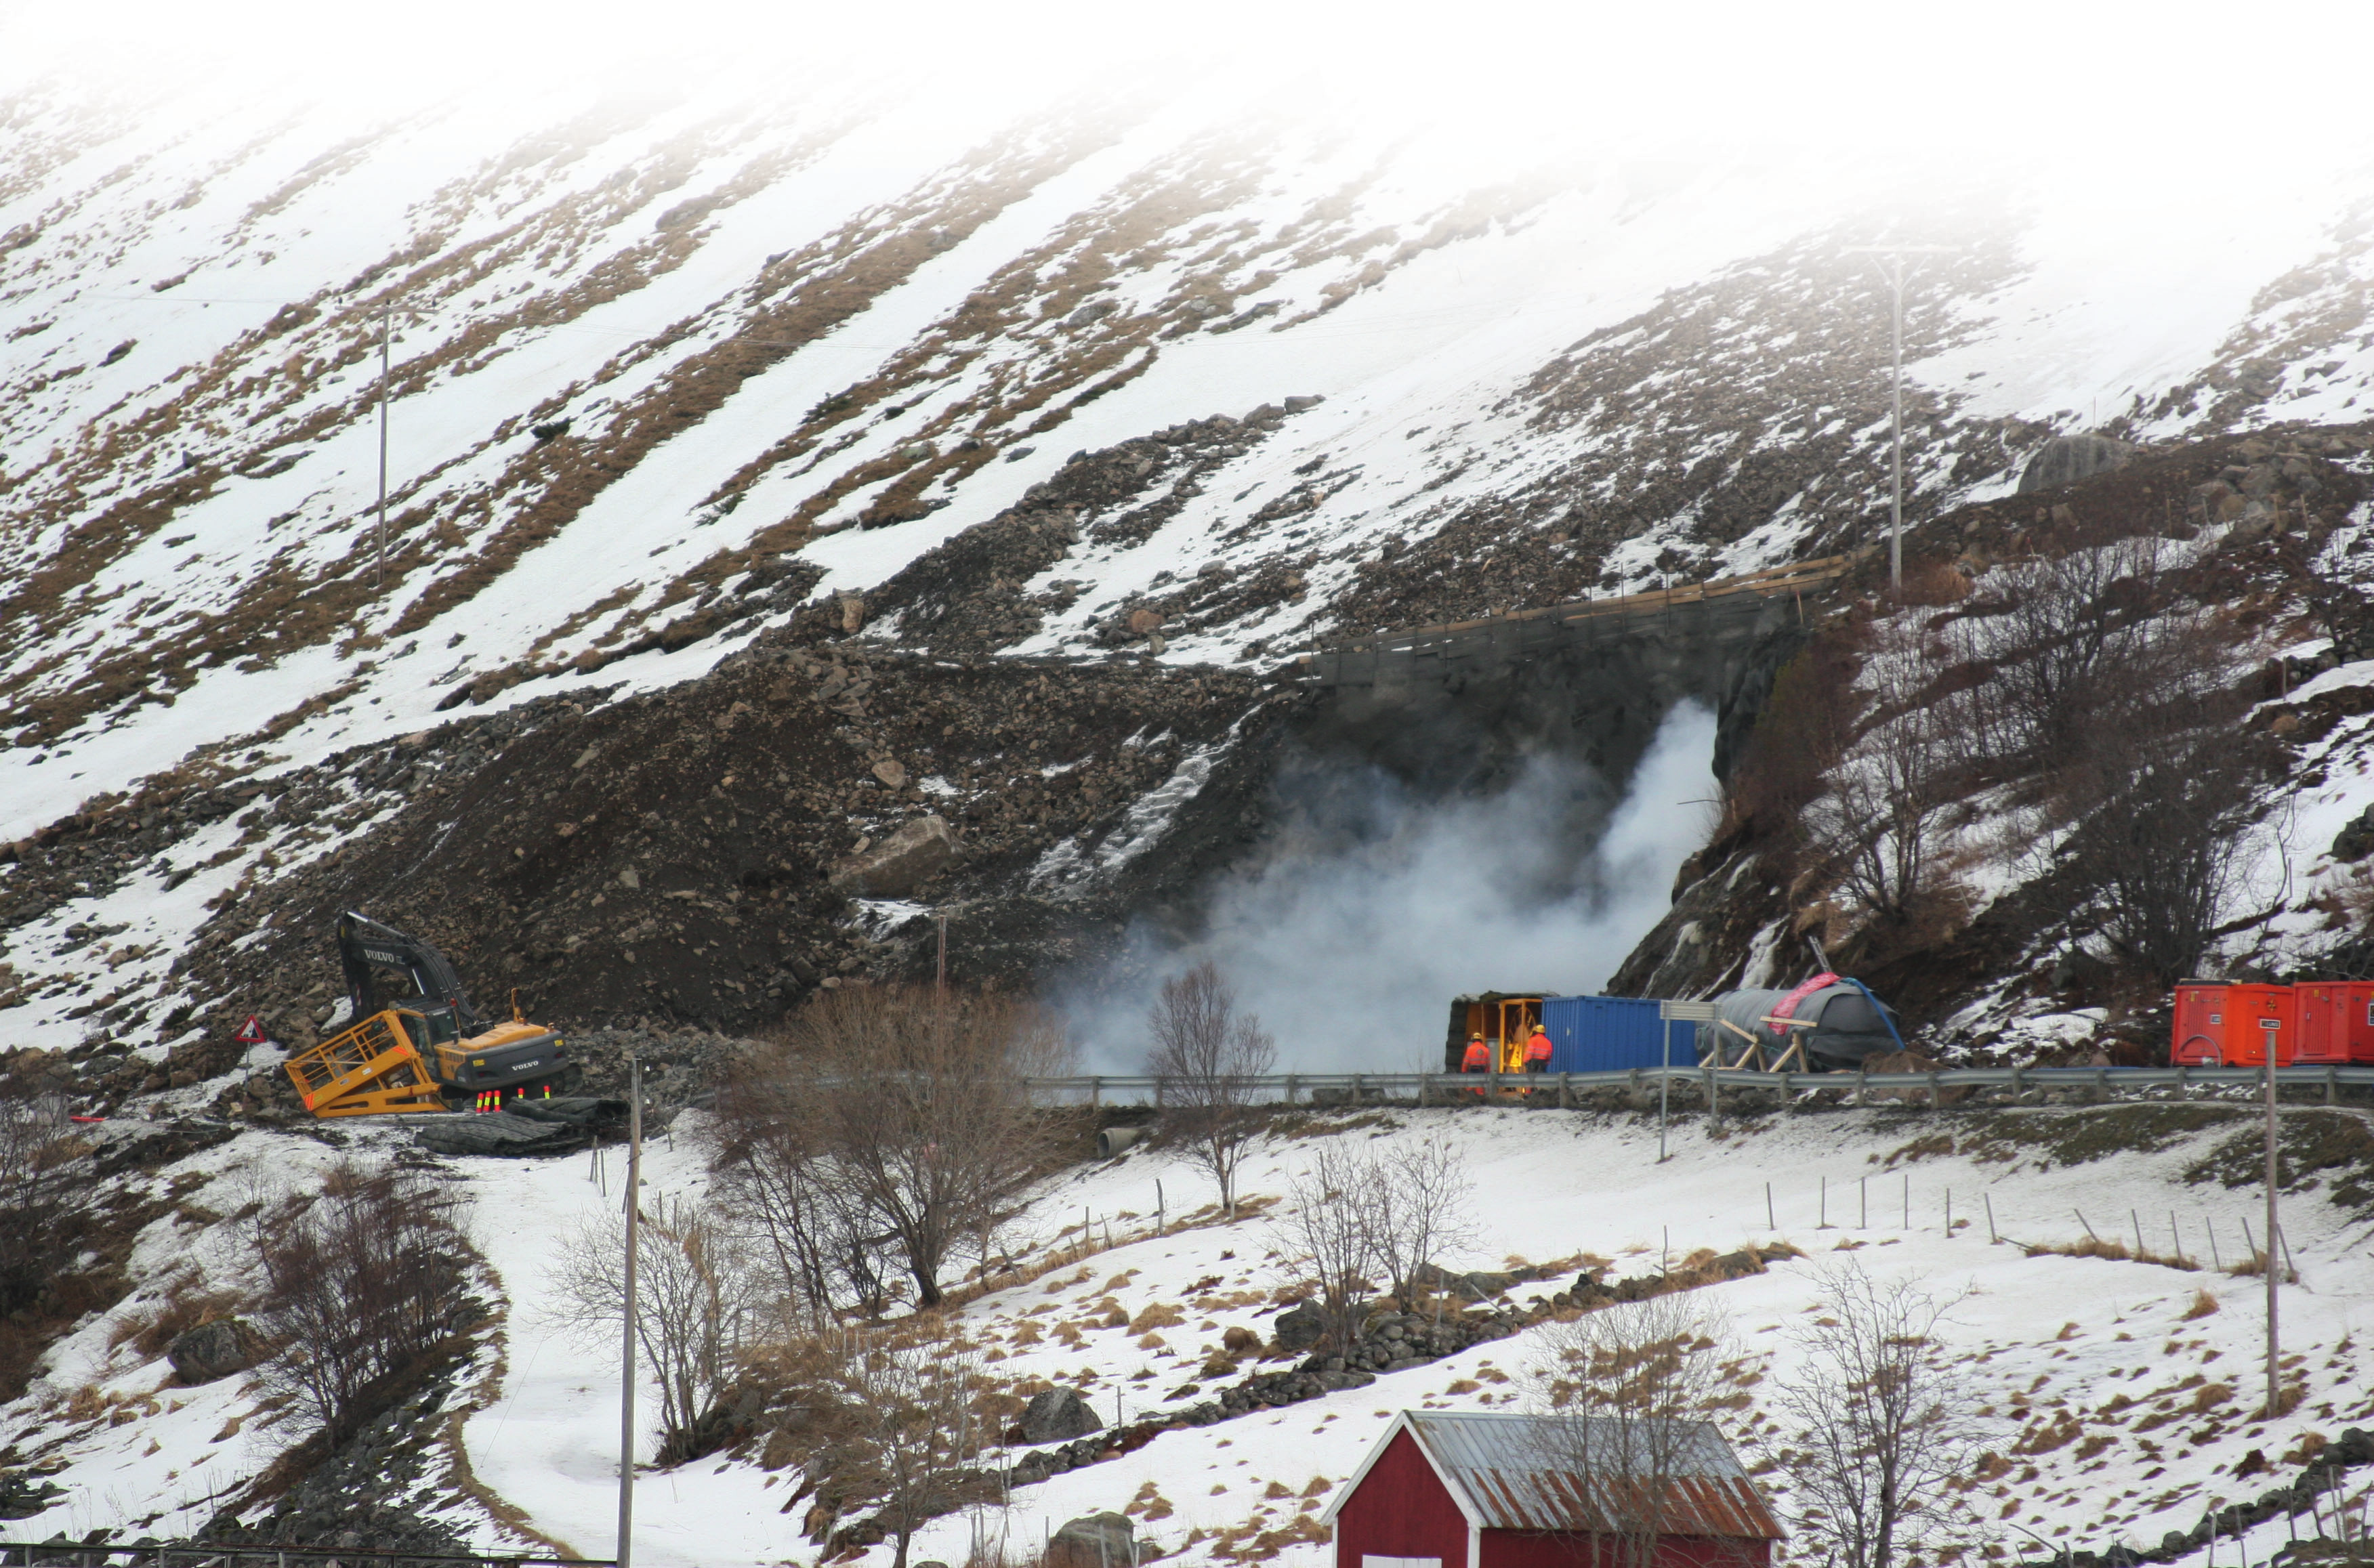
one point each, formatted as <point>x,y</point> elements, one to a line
<point>365,945</point>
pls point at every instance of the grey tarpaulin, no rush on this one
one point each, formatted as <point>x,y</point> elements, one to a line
<point>1847,1025</point>
<point>525,1127</point>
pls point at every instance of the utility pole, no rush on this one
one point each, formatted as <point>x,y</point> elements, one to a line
<point>379,531</point>
<point>627,1351</point>
<point>2275,1250</point>
<point>1894,271</point>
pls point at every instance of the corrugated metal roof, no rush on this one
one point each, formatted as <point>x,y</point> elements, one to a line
<point>1522,1473</point>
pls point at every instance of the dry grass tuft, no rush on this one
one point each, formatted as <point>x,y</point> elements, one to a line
<point>2203,1303</point>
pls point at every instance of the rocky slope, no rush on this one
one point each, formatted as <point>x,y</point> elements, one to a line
<point>764,478</point>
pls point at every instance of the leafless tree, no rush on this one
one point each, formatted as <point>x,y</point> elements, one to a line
<point>1423,1212</point>
<point>917,1102</point>
<point>1880,1428</point>
<point>1622,1398</point>
<point>696,1293</point>
<point>2170,848</point>
<point>1209,1057</point>
<point>896,1422</point>
<point>776,1177</point>
<point>1328,1233</point>
<point>1880,818</point>
<point>364,1282</point>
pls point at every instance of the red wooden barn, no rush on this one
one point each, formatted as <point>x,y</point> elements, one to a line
<point>1470,1490</point>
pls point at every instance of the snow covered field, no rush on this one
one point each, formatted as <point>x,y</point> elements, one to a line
<point>2124,1408</point>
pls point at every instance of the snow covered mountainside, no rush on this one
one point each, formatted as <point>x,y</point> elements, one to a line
<point>676,380</point>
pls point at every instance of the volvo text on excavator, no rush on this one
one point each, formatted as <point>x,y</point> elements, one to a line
<point>417,1044</point>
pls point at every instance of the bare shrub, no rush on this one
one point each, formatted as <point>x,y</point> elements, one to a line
<point>2063,635</point>
<point>1334,1212</point>
<point>914,1102</point>
<point>1880,1427</point>
<point>894,1423</point>
<point>1620,1395</point>
<point>694,1297</point>
<point>1209,1057</point>
<point>43,1194</point>
<point>1423,1212</point>
<point>365,1282</point>
<point>49,1224</point>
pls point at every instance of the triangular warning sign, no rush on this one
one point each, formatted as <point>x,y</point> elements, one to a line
<point>250,1032</point>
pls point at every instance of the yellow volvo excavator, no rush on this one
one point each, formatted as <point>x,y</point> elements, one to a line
<point>423,1048</point>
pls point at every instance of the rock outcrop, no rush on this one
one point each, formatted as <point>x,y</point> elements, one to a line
<point>212,1350</point>
<point>2064,460</point>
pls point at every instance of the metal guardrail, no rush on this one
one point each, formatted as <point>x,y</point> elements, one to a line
<point>1296,1088</point>
<point>201,1554</point>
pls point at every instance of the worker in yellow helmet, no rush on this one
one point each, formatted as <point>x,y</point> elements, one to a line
<point>1537,1051</point>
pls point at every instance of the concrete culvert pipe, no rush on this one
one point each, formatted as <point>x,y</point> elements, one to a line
<point>1113,1139</point>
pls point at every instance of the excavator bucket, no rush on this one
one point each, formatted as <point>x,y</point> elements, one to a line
<point>369,1070</point>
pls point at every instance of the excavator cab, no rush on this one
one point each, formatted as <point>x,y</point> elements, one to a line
<point>417,1045</point>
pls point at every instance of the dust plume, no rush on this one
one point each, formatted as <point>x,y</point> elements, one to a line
<point>1374,906</point>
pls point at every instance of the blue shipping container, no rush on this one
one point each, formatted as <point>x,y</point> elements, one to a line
<point>1611,1033</point>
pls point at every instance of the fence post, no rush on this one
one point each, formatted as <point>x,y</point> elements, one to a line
<point>1861,1075</point>
<point>1714,1102</point>
<point>1096,1093</point>
<point>2331,1083</point>
<point>1566,1091</point>
<point>1290,1088</point>
<point>1934,1102</point>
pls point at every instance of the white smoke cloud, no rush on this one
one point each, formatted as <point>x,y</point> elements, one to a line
<point>1352,935</point>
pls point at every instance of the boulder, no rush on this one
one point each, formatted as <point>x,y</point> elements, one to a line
<point>2356,841</point>
<point>2064,460</point>
<point>1298,1328</point>
<point>214,1350</point>
<point>1057,1415</point>
<point>915,853</point>
<point>1093,1541</point>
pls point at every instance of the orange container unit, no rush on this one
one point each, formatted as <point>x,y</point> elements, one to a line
<point>2223,1026</point>
<point>2336,1022</point>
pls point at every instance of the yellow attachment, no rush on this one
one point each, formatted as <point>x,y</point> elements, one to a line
<point>369,1069</point>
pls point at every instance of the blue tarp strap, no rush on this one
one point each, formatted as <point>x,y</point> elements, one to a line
<point>1881,1008</point>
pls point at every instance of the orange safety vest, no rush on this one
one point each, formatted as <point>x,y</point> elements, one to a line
<point>1479,1058</point>
<point>1538,1048</point>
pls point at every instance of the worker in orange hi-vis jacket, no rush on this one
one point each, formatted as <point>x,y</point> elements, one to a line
<point>1537,1051</point>
<point>1478,1058</point>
